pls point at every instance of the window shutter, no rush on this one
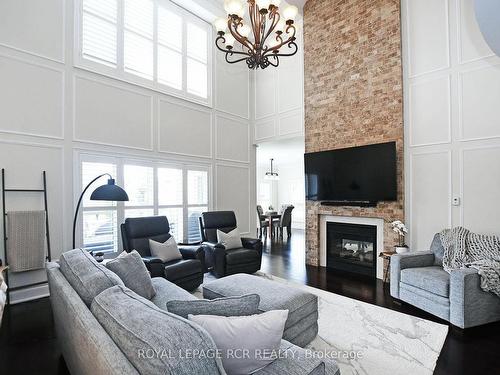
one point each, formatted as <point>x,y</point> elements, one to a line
<point>99,31</point>
<point>197,60</point>
<point>138,37</point>
<point>169,48</point>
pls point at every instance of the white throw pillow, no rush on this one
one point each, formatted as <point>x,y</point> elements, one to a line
<point>166,251</point>
<point>246,343</point>
<point>231,240</point>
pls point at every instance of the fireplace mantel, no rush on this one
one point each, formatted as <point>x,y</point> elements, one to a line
<point>376,222</point>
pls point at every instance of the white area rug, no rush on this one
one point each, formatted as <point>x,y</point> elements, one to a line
<point>371,340</point>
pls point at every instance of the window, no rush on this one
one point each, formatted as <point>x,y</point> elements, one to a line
<point>153,43</point>
<point>179,192</point>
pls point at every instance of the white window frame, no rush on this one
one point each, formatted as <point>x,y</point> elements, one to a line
<point>120,207</point>
<point>119,72</point>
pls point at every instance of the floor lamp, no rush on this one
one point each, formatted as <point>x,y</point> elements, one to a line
<point>108,192</point>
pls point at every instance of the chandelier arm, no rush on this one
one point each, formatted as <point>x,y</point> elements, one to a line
<point>276,18</point>
<point>252,11</point>
<point>240,38</point>
<point>290,45</point>
<point>229,53</point>
<point>277,61</point>
<point>290,40</point>
<point>221,38</point>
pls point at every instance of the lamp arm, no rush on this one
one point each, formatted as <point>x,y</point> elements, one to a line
<point>80,202</point>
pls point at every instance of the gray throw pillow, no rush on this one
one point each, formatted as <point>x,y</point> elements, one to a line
<point>230,240</point>
<point>225,306</point>
<point>437,249</point>
<point>246,343</point>
<point>166,251</point>
<point>133,272</point>
<point>87,277</point>
<point>154,340</point>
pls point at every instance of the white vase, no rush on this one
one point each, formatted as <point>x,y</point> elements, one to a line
<point>401,249</point>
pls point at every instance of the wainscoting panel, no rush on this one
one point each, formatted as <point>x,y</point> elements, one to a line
<point>232,139</point>
<point>472,44</point>
<point>481,186</point>
<point>184,129</point>
<point>31,98</point>
<point>428,29</point>
<point>265,130</point>
<point>430,192</point>
<point>265,93</point>
<point>291,123</point>
<point>232,87</point>
<point>430,112</point>
<point>35,27</point>
<point>480,103</point>
<point>112,115</point>
<point>233,192</point>
<point>290,88</point>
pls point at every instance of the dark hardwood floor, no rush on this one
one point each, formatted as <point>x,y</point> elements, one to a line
<point>28,344</point>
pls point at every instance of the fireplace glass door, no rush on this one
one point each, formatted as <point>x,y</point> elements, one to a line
<point>352,248</point>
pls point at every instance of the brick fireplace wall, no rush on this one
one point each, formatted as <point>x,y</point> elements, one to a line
<point>353,94</point>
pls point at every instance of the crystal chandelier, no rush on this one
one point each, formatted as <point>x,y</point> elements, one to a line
<point>264,36</point>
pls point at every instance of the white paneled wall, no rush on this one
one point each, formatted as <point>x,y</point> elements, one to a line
<point>50,111</point>
<point>279,98</point>
<point>452,120</point>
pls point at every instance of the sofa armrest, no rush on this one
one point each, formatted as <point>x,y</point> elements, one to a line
<point>151,260</point>
<point>194,252</point>
<point>252,243</point>
<point>408,260</point>
<point>469,304</point>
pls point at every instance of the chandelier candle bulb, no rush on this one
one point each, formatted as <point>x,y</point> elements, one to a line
<point>263,39</point>
<point>290,12</point>
<point>221,25</point>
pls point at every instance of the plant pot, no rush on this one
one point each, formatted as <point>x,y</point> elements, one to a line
<point>401,249</point>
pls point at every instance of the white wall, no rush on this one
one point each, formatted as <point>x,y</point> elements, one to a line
<point>452,120</point>
<point>50,110</point>
<point>279,97</point>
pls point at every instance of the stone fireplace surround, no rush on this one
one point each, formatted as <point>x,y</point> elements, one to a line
<point>353,96</point>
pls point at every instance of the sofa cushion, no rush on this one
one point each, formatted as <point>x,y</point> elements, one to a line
<point>226,306</point>
<point>302,306</point>
<point>167,291</point>
<point>437,249</point>
<point>246,342</point>
<point>133,272</point>
<point>87,277</point>
<point>297,361</point>
<point>432,279</point>
<point>153,340</point>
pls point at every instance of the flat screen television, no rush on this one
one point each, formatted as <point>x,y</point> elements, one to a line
<point>356,174</point>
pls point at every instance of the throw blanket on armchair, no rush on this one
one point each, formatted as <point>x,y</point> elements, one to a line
<point>462,248</point>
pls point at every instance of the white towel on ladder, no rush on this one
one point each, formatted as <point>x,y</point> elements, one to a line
<point>26,240</point>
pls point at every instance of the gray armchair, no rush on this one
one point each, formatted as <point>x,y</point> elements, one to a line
<point>419,279</point>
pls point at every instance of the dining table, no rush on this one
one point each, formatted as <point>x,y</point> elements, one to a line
<point>271,216</point>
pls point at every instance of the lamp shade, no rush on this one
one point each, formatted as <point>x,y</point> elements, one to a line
<point>109,192</point>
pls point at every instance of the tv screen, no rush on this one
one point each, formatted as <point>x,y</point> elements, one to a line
<point>366,173</point>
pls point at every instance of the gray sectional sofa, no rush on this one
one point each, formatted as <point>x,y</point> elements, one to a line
<point>105,331</point>
<point>419,279</point>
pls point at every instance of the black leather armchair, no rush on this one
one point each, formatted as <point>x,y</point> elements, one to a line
<point>186,272</point>
<point>224,262</point>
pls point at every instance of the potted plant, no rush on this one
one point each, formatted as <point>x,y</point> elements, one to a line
<point>400,228</point>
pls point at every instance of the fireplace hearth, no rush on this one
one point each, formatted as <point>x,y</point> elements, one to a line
<point>351,248</point>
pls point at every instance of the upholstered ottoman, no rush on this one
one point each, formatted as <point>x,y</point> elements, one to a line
<point>302,324</point>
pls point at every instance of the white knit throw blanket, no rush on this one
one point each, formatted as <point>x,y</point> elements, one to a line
<point>462,249</point>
